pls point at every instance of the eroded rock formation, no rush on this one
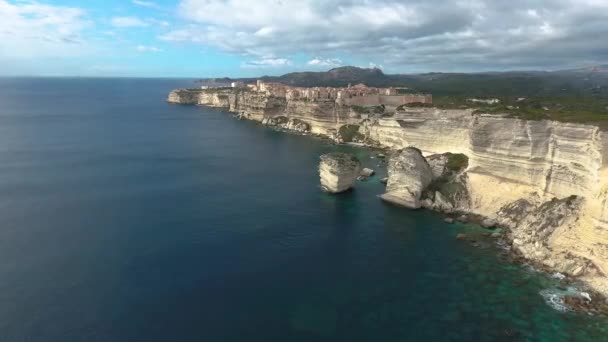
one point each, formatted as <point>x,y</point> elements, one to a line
<point>409,174</point>
<point>338,172</point>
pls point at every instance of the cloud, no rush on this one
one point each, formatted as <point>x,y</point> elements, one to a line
<point>157,22</point>
<point>328,62</point>
<point>374,66</point>
<point>148,4</point>
<point>144,48</point>
<point>405,33</point>
<point>267,62</point>
<point>31,29</point>
<point>128,22</point>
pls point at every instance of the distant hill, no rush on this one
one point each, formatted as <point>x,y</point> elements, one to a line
<point>576,82</point>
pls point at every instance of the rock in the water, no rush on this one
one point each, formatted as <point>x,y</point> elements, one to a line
<point>408,175</point>
<point>338,171</point>
<point>367,172</point>
<point>461,236</point>
<point>449,220</point>
<point>488,223</point>
<point>384,180</point>
<point>463,218</point>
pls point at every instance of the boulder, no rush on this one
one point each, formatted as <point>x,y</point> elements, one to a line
<point>384,180</point>
<point>488,223</point>
<point>463,218</point>
<point>367,172</point>
<point>461,236</point>
<point>449,220</point>
<point>338,171</point>
<point>408,176</point>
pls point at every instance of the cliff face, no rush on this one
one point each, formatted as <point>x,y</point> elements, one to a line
<point>543,163</point>
<point>221,100</point>
<point>200,97</point>
<point>519,172</point>
<point>184,96</point>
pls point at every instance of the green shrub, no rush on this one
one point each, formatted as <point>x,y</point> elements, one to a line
<point>350,133</point>
<point>360,109</point>
<point>457,161</point>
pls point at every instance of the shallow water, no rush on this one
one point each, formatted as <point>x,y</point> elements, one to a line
<point>124,218</point>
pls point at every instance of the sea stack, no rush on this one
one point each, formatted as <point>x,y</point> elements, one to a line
<point>408,176</point>
<point>338,172</point>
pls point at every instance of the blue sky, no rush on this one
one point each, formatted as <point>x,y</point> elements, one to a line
<point>211,38</point>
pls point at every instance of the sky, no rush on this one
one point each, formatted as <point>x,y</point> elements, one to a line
<point>246,38</point>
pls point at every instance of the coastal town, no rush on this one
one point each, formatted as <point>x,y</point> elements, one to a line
<point>352,95</point>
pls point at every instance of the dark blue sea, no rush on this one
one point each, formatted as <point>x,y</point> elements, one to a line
<point>124,218</point>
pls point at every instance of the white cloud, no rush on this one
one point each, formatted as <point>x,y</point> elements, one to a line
<point>145,48</point>
<point>374,65</point>
<point>157,22</point>
<point>328,62</point>
<point>404,33</point>
<point>148,4</point>
<point>31,29</point>
<point>267,62</point>
<point>128,22</point>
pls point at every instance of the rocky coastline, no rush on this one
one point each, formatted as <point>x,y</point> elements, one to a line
<point>541,182</point>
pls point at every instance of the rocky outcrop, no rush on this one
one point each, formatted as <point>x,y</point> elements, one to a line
<point>448,192</point>
<point>284,122</point>
<point>184,96</point>
<point>535,226</point>
<point>202,97</point>
<point>338,171</point>
<point>214,99</point>
<point>409,175</point>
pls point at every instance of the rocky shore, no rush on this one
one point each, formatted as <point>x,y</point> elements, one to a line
<point>543,182</point>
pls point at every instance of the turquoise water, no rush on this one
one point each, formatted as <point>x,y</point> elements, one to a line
<point>123,218</point>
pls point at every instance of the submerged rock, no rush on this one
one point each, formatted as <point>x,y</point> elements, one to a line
<point>408,175</point>
<point>384,180</point>
<point>338,171</point>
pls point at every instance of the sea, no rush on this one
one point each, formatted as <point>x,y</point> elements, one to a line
<point>125,218</point>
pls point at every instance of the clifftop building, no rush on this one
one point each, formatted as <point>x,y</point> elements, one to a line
<point>357,95</point>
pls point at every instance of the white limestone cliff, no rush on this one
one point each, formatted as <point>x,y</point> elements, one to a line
<point>509,160</point>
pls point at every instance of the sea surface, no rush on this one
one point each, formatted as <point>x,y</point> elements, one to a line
<point>124,218</point>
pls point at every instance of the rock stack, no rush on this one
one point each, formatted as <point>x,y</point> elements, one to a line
<point>409,175</point>
<point>338,171</point>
